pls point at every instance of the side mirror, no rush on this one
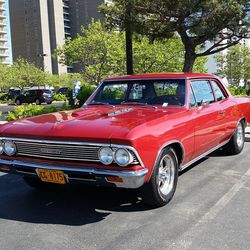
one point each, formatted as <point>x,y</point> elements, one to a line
<point>204,103</point>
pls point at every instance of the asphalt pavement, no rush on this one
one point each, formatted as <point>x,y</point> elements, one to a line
<point>210,210</point>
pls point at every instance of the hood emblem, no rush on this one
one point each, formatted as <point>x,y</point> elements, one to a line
<point>120,111</point>
<point>58,121</point>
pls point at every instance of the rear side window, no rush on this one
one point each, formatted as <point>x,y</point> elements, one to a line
<point>219,95</point>
<point>202,91</point>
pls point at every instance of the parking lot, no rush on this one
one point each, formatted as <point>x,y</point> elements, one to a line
<point>210,210</point>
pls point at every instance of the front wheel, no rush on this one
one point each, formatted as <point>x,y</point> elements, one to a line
<point>37,101</point>
<point>236,143</point>
<point>162,185</point>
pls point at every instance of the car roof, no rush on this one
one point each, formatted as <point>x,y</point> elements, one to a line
<point>163,75</point>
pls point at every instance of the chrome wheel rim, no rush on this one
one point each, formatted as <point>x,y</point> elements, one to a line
<point>166,173</point>
<point>240,135</point>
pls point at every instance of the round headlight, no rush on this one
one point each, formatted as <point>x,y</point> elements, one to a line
<point>106,155</point>
<point>123,157</point>
<point>1,147</point>
<point>9,148</point>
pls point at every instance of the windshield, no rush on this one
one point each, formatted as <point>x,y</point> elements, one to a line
<point>142,92</point>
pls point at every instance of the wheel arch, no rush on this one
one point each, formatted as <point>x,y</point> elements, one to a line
<point>177,147</point>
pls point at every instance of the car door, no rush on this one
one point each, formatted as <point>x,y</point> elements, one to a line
<point>206,118</point>
<point>226,106</point>
<point>25,96</point>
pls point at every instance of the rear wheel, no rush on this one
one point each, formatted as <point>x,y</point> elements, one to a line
<point>236,143</point>
<point>18,102</point>
<point>162,185</point>
<point>37,101</point>
<point>49,103</point>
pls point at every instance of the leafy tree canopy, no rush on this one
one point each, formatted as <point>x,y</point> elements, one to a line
<point>235,64</point>
<point>101,53</point>
<point>222,22</point>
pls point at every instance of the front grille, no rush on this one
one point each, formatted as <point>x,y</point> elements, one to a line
<point>62,151</point>
<point>55,151</point>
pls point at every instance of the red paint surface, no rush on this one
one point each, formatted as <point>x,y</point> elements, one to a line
<point>146,128</point>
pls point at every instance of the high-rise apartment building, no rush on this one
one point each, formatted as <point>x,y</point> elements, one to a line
<point>38,27</point>
<point>3,33</point>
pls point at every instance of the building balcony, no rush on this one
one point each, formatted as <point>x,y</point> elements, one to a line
<point>4,55</point>
<point>67,33</point>
<point>2,16</point>
<point>3,32</point>
<point>3,39</point>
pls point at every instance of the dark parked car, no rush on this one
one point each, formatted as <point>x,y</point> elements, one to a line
<point>63,90</point>
<point>11,95</point>
<point>35,95</point>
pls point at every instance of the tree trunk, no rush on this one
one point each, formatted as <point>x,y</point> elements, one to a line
<point>190,57</point>
<point>129,51</point>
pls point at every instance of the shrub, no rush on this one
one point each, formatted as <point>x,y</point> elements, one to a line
<point>83,94</point>
<point>238,90</point>
<point>27,111</point>
<point>60,97</point>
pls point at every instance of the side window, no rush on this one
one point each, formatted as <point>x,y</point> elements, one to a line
<point>202,91</point>
<point>217,91</point>
<point>114,92</point>
<point>192,101</point>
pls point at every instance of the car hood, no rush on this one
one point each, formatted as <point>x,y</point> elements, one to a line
<point>89,123</point>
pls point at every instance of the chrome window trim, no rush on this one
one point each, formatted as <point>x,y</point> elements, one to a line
<point>75,144</point>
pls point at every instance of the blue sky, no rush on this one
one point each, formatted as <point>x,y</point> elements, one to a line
<point>8,29</point>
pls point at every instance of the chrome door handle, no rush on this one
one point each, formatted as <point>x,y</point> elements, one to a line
<point>222,112</point>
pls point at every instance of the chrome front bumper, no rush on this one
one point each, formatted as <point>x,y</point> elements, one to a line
<point>130,179</point>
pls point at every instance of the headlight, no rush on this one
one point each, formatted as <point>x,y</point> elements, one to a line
<point>106,155</point>
<point>9,148</point>
<point>1,147</point>
<point>123,157</point>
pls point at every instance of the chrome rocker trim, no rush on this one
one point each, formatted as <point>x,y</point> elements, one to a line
<point>182,167</point>
<point>131,179</point>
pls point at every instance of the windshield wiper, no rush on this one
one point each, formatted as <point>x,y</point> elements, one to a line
<point>134,103</point>
<point>99,103</point>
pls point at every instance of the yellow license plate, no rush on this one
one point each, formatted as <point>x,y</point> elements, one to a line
<point>53,176</point>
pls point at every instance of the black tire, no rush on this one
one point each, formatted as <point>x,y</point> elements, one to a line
<point>18,102</point>
<point>34,182</point>
<point>152,193</point>
<point>49,103</point>
<point>37,101</point>
<point>236,143</point>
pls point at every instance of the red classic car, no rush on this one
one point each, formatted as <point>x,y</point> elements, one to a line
<point>134,132</point>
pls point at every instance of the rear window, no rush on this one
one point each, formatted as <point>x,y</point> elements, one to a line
<point>47,91</point>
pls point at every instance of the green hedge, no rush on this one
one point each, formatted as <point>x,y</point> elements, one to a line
<point>83,94</point>
<point>60,97</point>
<point>31,110</point>
<point>238,90</point>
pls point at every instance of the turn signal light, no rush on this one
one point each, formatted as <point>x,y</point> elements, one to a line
<point>114,179</point>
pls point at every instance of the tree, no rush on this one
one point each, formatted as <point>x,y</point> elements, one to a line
<point>24,74</point>
<point>101,53</point>
<point>235,64</point>
<point>4,75</point>
<point>223,23</point>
